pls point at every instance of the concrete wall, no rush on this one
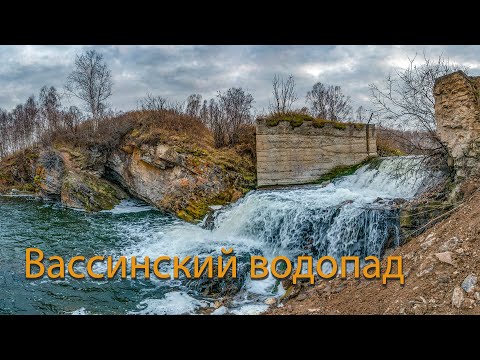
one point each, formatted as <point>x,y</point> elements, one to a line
<point>457,113</point>
<point>300,155</point>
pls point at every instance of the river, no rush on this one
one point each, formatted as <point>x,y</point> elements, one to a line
<point>354,215</point>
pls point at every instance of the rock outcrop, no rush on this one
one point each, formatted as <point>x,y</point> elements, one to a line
<point>184,182</point>
<point>57,176</point>
<point>457,113</point>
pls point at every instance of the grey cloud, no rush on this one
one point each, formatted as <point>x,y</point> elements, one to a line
<point>177,71</point>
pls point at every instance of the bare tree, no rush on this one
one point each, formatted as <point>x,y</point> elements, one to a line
<point>283,94</point>
<point>72,118</point>
<point>362,115</point>
<point>328,102</point>
<point>204,113</point>
<point>176,107</point>
<point>194,102</point>
<point>151,102</point>
<point>91,82</point>
<point>236,106</point>
<point>405,101</point>
<point>5,133</point>
<point>50,108</point>
<point>217,124</point>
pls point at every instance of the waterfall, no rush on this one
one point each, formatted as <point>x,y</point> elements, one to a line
<point>356,215</point>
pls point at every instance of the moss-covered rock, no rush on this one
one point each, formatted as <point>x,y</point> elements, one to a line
<point>84,191</point>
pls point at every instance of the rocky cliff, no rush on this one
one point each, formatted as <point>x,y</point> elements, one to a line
<point>172,168</point>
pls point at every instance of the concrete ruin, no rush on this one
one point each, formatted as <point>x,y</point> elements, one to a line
<point>457,113</point>
<point>289,155</point>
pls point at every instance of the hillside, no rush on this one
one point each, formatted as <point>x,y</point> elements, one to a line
<point>439,266</point>
<point>162,157</point>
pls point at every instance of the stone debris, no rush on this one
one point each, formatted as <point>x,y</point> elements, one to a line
<point>445,257</point>
<point>457,297</point>
<point>469,283</point>
<point>468,304</point>
<point>270,301</point>
<point>449,244</point>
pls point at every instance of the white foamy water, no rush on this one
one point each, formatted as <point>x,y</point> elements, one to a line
<point>352,216</point>
<point>129,206</point>
<point>172,304</point>
<point>81,311</point>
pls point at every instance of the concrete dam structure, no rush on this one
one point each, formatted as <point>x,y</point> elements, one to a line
<point>288,155</point>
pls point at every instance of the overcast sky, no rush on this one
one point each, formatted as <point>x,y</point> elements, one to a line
<point>175,72</point>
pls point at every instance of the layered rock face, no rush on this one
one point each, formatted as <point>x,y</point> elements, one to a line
<point>287,155</point>
<point>457,113</point>
<point>183,183</point>
<point>60,177</point>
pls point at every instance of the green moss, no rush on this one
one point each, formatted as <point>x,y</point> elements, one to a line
<point>339,125</point>
<point>319,123</point>
<point>32,155</point>
<point>197,209</point>
<point>135,133</point>
<point>29,187</point>
<point>386,150</point>
<point>92,193</point>
<point>37,180</point>
<point>193,151</point>
<point>297,120</point>
<point>405,219</point>
<point>294,119</point>
<point>342,171</point>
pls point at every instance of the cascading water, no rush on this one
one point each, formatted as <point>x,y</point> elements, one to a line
<point>354,215</point>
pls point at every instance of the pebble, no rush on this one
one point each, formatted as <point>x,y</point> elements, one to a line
<point>445,257</point>
<point>426,244</point>
<point>270,301</point>
<point>457,297</point>
<point>469,283</point>
<point>419,309</point>
<point>468,303</point>
<point>444,277</point>
<point>477,296</point>
<point>449,245</point>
